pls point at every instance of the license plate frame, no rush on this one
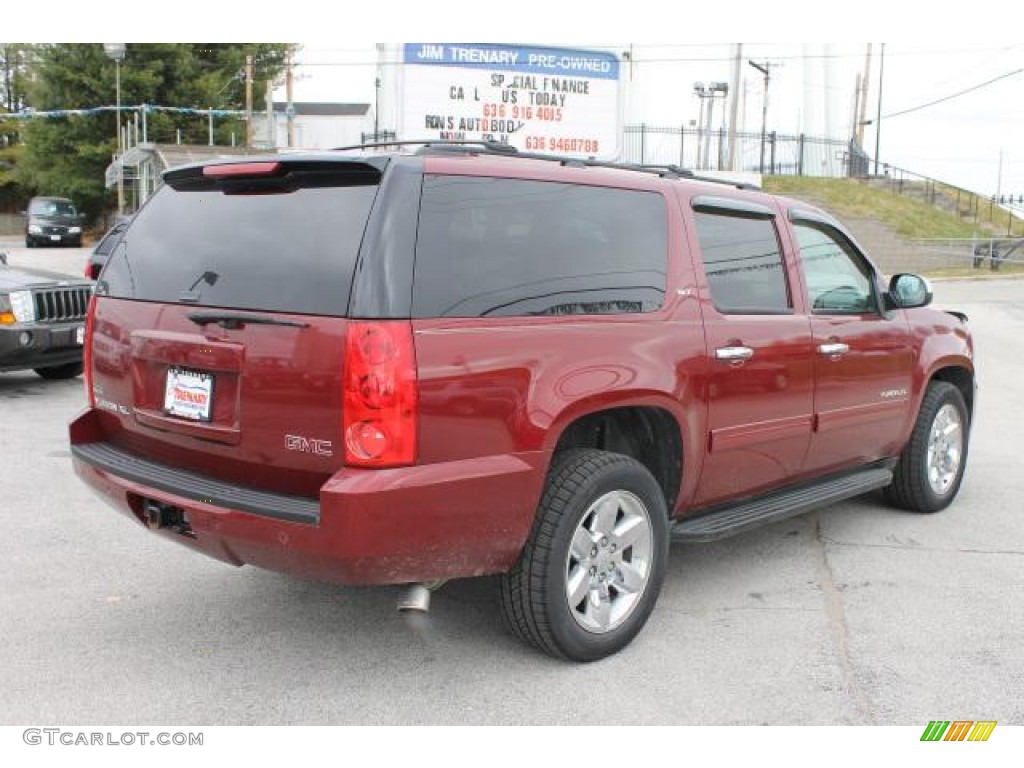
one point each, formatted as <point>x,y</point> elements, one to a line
<point>188,394</point>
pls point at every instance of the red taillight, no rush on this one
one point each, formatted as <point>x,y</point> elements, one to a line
<point>240,169</point>
<point>87,352</point>
<point>380,394</point>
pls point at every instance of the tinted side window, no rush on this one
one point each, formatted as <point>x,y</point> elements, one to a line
<point>743,263</point>
<point>838,280</point>
<point>285,252</point>
<point>492,247</point>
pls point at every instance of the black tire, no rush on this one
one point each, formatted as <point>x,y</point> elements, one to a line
<point>912,488</point>
<point>29,243</point>
<point>535,593</point>
<point>66,371</point>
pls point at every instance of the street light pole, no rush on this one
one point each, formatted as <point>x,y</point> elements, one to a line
<point>116,52</point>
<point>376,110</point>
<point>708,91</point>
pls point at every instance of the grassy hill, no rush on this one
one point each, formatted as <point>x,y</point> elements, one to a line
<point>909,218</point>
<point>890,225</point>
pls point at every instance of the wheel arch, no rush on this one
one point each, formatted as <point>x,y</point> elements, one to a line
<point>649,432</point>
<point>959,375</point>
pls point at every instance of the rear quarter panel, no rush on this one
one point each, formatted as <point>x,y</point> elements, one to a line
<point>512,385</point>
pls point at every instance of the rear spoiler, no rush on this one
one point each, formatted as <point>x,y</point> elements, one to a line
<point>275,174</point>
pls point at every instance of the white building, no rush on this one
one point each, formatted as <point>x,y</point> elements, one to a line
<point>315,125</point>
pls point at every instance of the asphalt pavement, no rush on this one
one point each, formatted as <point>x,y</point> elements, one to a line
<point>856,614</point>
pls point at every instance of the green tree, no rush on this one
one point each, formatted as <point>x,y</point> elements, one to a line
<point>14,58</point>
<point>68,155</point>
<point>14,61</point>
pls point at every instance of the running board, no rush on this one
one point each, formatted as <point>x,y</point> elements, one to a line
<point>729,521</point>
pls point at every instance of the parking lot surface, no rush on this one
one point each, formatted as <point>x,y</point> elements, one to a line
<point>856,614</point>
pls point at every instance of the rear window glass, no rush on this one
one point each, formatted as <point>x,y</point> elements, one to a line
<point>286,251</point>
<point>492,247</point>
<point>106,245</point>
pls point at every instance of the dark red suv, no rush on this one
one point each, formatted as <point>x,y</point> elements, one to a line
<point>404,368</point>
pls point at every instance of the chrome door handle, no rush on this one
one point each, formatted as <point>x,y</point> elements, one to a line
<point>734,353</point>
<point>834,349</point>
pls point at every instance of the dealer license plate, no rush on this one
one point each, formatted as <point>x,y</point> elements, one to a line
<point>189,394</point>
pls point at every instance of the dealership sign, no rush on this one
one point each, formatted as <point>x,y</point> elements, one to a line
<point>558,100</point>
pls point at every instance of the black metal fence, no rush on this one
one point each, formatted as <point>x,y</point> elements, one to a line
<point>773,153</point>
<point>777,154</point>
<point>995,216</point>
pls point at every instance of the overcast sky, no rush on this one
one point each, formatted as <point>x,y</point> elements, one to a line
<point>944,49</point>
<point>957,141</point>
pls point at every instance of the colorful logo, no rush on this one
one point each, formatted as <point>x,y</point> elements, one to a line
<point>958,730</point>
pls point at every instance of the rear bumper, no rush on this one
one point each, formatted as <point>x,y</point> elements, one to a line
<point>437,521</point>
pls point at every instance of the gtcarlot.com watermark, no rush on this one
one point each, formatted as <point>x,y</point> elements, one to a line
<point>59,736</point>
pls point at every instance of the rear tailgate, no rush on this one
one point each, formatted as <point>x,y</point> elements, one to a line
<point>219,330</point>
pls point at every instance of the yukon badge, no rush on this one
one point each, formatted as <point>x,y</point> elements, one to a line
<point>886,394</point>
<point>308,445</point>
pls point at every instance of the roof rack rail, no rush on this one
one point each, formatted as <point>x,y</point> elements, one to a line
<point>490,146</point>
<point>669,170</point>
<point>507,150</point>
<point>731,183</point>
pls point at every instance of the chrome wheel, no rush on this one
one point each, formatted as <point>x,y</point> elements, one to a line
<point>945,449</point>
<point>609,562</point>
<point>931,466</point>
<point>591,570</point>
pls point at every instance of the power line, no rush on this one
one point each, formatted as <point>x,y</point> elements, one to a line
<point>954,95</point>
<point>666,59</point>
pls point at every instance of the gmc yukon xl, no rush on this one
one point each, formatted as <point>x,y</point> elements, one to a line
<point>406,367</point>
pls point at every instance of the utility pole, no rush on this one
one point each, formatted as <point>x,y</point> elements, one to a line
<point>734,106</point>
<point>999,178</point>
<point>116,51</point>
<point>855,127</point>
<point>766,71</point>
<point>864,97</point>
<point>268,108</point>
<point>289,108</point>
<point>878,120</point>
<point>248,101</point>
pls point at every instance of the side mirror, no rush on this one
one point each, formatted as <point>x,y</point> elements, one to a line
<point>3,257</point>
<point>907,291</point>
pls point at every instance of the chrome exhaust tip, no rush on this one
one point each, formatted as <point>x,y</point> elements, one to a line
<point>416,598</point>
